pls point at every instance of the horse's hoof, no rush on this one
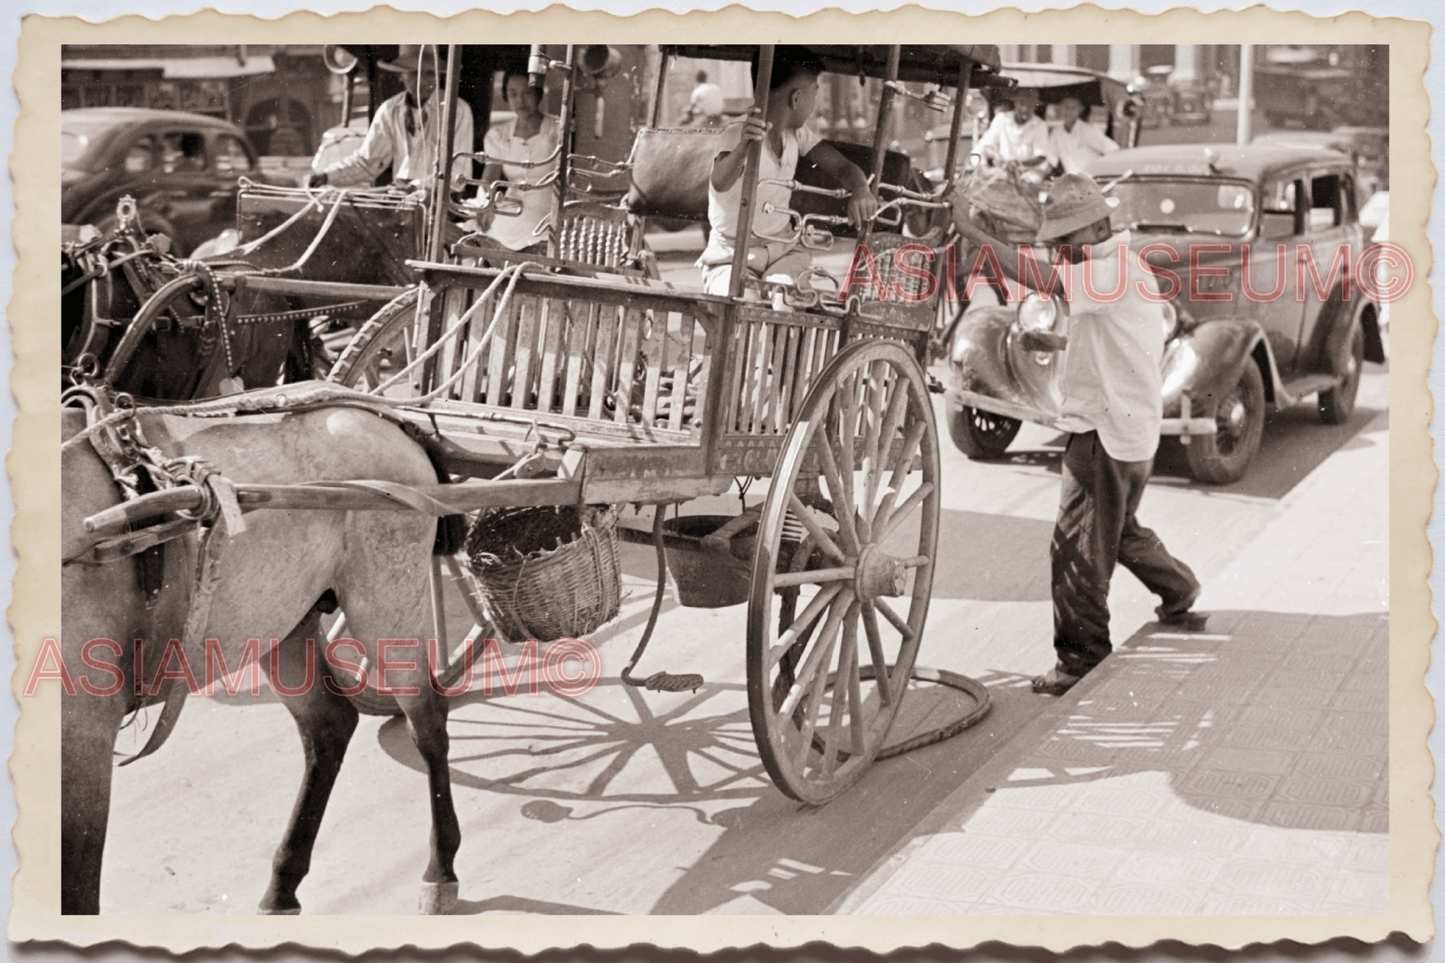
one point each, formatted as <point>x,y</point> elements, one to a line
<point>438,899</point>
<point>294,911</point>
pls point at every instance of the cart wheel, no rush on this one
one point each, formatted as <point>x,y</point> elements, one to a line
<point>868,441</point>
<point>383,346</point>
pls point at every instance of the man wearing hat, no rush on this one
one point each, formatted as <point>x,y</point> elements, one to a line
<point>404,131</point>
<point>1112,409</point>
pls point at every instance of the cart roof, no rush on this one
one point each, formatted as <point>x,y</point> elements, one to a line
<point>927,63</point>
<point>1056,81</point>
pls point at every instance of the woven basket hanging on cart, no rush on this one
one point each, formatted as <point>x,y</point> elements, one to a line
<point>535,590</point>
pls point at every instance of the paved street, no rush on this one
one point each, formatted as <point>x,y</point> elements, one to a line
<point>624,802</point>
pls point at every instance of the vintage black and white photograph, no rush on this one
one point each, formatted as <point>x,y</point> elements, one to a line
<point>787,479</point>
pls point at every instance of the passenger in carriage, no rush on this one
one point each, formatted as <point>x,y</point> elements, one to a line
<point>1074,141</point>
<point>404,130</point>
<point>1018,136</point>
<point>530,137</point>
<point>785,135</point>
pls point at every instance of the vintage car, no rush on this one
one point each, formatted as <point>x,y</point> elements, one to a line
<point>183,170</point>
<point>1169,99</point>
<point>1197,213</point>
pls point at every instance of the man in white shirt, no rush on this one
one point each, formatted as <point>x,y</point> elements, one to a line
<point>1112,409</point>
<point>1074,141</point>
<point>404,131</point>
<point>1018,135</point>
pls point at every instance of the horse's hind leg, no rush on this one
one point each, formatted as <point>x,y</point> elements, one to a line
<point>426,719</point>
<point>325,721</point>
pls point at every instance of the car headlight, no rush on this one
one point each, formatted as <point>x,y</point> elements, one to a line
<point>1037,313</point>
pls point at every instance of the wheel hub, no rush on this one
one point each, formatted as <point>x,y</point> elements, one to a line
<point>1236,417</point>
<point>879,573</point>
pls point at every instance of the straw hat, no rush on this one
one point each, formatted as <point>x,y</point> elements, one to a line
<point>409,56</point>
<point>1074,202</point>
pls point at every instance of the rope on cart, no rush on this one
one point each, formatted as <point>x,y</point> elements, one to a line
<point>658,681</point>
<point>511,274</point>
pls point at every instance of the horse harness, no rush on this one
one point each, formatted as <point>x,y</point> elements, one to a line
<point>137,468</point>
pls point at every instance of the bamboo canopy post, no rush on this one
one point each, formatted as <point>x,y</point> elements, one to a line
<point>559,187</point>
<point>885,116</point>
<point>950,172</point>
<point>441,189</point>
<point>752,163</point>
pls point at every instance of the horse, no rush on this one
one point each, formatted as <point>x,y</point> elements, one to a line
<point>272,577</point>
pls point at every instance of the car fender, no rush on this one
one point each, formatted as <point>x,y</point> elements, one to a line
<point>977,352</point>
<point>1210,356</point>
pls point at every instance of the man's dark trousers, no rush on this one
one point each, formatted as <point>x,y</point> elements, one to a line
<point>1095,529</point>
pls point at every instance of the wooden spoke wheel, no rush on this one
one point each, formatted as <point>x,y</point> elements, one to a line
<point>846,599</point>
<point>384,346</point>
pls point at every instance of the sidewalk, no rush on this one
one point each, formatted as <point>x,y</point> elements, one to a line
<point>1243,770</point>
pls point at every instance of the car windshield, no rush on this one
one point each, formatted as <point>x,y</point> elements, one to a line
<point>77,136</point>
<point>1193,205</point>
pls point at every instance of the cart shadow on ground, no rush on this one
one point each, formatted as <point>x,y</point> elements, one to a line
<point>1177,712</point>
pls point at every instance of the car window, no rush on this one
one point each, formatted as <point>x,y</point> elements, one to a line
<point>183,151</point>
<point>1325,201</point>
<point>72,148</point>
<point>231,156</point>
<point>141,156</point>
<point>1203,205</point>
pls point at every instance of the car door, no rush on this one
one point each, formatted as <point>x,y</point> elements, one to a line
<point>1329,234</point>
<point>231,160</point>
<point>1269,294</point>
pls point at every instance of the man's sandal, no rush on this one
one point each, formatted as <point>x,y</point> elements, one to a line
<point>1189,620</point>
<point>1055,682</point>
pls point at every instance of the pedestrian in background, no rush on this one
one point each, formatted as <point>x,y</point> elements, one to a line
<point>1112,410</point>
<point>705,106</point>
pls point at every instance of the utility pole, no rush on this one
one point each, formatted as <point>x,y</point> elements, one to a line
<point>1246,93</point>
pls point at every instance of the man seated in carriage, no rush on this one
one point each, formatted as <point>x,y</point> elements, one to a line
<point>785,137</point>
<point>403,134</point>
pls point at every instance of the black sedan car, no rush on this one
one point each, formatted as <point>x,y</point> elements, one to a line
<point>183,170</point>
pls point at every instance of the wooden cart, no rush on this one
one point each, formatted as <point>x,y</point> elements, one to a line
<point>565,380</point>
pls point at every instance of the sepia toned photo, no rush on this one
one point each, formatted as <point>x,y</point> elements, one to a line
<point>887,492</point>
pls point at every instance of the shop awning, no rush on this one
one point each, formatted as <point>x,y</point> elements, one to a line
<point>178,68</point>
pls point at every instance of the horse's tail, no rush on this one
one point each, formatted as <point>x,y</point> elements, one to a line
<point>451,529</point>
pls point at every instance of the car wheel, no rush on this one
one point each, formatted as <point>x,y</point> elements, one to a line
<point>1238,413</point>
<point>981,434</point>
<point>1337,404</point>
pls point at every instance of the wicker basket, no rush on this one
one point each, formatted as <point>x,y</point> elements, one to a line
<point>564,591</point>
